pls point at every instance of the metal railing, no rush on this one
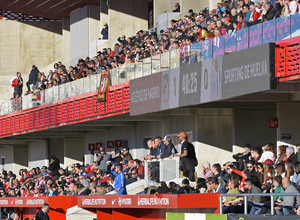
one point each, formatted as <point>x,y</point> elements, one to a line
<point>246,195</point>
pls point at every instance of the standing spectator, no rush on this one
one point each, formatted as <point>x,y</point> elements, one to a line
<point>177,7</point>
<point>104,32</point>
<point>170,149</point>
<point>188,159</point>
<point>120,181</point>
<point>54,166</point>
<point>19,86</point>
<point>243,158</point>
<point>42,214</point>
<point>101,160</point>
<point>33,77</point>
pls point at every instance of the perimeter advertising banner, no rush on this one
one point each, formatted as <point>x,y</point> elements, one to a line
<point>145,94</point>
<point>236,74</point>
<point>248,71</point>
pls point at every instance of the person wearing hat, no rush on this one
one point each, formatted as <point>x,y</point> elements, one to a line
<point>170,149</point>
<point>228,25</point>
<point>188,159</point>
<point>104,31</point>
<point>33,77</point>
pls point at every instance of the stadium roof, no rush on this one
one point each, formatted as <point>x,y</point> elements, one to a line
<point>52,9</point>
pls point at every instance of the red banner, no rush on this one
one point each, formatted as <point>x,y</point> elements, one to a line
<point>34,202</point>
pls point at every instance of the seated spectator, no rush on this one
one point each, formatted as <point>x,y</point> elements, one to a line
<point>269,12</point>
<point>243,158</point>
<point>162,188</point>
<point>281,153</point>
<point>125,154</point>
<point>186,188</point>
<point>290,155</point>
<point>215,186</point>
<point>206,171</point>
<point>201,187</point>
<point>286,206</point>
<point>241,23</point>
<point>268,153</point>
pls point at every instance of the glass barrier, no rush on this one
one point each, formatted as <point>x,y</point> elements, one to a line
<point>195,52</point>
<point>138,69</point>
<point>269,31</point>
<point>174,58</point>
<point>207,49</point>
<point>165,61</point>
<point>161,170</point>
<point>130,70</point>
<point>242,39</point>
<point>230,42</point>
<point>122,74</point>
<point>185,54</point>
<point>219,46</point>
<point>283,27</point>
<point>147,63</point>
<point>295,25</point>
<point>156,64</point>
<point>256,35</point>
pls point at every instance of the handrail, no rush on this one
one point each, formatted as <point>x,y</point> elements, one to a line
<point>245,195</point>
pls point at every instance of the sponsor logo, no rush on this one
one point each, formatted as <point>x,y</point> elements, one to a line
<point>18,202</point>
<point>153,201</point>
<point>94,202</point>
<point>113,201</point>
<point>3,202</point>
<point>34,202</point>
<point>124,201</point>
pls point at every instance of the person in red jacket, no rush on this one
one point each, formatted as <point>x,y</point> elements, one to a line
<point>254,15</point>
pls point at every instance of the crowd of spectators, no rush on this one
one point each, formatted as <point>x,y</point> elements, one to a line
<point>229,16</point>
<point>255,170</point>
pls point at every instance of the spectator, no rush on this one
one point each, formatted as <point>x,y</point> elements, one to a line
<point>104,32</point>
<point>33,77</point>
<point>243,158</point>
<point>268,154</point>
<point>186,188</point>
<point>228,25</point>
<point>120,184</point>
<point>176,7</point>
<point>281,153</point>
<point>216,187</point>
<point>101,160</point>
<point>19,85</point>
<point>125,154</point>
<point>201,186</point>
<point>206,171</point>
<point>286,206</point>
<point>241,21</point>
<point>54,166</point>
<point>188,159</point>
<point>290,156</point>
<point>269,12</point>
<point>169,147</point>
<point>296,176</point>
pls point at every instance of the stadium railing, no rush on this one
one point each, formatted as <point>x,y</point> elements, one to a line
<point>246,195</point>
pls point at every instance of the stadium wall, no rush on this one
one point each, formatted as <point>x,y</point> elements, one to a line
<point>24,44</point>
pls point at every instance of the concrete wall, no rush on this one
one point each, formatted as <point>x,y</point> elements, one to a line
<point>288,115</point>
<point>23,44</point>
<point>8,153</point>
<point>20,158</point>
<point>252,126</point>
<point>38,154</point>
<point>66,46</point>
<point>74,150</point>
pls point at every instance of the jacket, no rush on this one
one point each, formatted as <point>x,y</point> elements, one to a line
<point>291,200</point>
<point>41,215</point>
<point>120,182</point>
<point>33,75</point>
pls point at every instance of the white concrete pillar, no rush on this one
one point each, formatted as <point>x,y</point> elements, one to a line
<point>288,132</point>
<point>38,154</point>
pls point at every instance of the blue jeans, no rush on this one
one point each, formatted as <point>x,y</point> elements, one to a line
<point>286,210</point>
<point>256,208</point>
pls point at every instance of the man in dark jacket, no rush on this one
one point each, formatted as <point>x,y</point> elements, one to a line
<point>170,149</point>
<point>104,32</point>
<point>33,76</point>
<point>42,214</point>
<point>269,12</point>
